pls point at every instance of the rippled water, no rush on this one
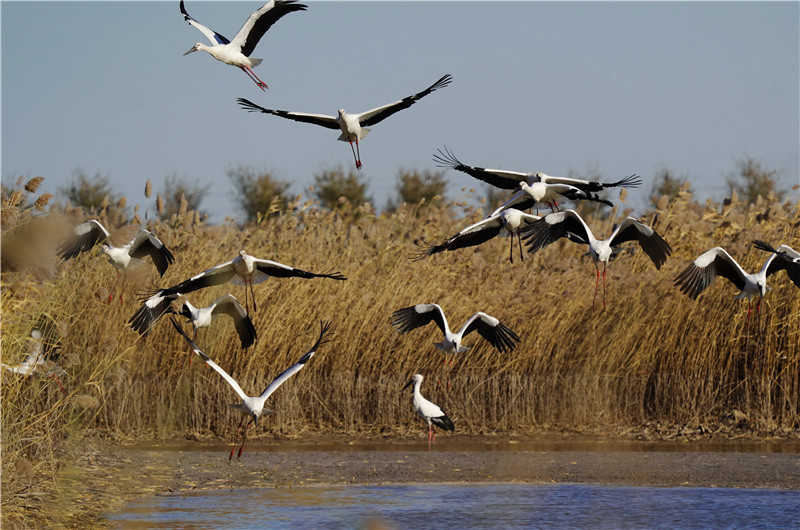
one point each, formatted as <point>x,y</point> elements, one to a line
<point>469,506</point>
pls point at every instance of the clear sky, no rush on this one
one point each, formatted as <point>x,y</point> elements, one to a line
<point>614,88</point>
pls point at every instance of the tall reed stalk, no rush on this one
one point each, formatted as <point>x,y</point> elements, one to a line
<point>653,356</point>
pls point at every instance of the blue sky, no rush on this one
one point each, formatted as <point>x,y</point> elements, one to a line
<point>614,88</point>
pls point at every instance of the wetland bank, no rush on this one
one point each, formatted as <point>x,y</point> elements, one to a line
<point>653,366</point>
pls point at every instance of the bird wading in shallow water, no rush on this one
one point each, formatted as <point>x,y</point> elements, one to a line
<point>429,412</point>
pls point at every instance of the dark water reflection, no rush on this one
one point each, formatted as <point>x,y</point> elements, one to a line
<point>469,506</point>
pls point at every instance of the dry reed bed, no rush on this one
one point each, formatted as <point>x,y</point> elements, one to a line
<point>653,356</point>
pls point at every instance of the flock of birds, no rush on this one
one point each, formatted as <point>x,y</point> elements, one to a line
<point>127,247</point>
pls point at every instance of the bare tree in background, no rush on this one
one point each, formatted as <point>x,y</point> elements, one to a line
<point>332,184</point>
<point>752,180</point>
<point>414,186</point>
<point>91,193</point>
<point>258,194</point>
<point>666,183</point>
<point>177,189</point>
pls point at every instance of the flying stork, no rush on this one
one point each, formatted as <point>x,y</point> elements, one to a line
<point>353,126</point>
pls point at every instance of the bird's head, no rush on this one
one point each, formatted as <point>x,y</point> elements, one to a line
<point>257,414</point>
<point>194,48</point>
<point>413,380</point>
<point>341,112</point>
<point>763,288</point>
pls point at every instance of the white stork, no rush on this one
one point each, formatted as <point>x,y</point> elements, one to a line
<point>535,187</point>
<point>561,224</point>
<point>125,247</point>
<point>37,361</point>
<point>245,270</point>
<point>253,406</point>
<point>353,126</point>
<point>429,412</point>
<point>491,329</point>
<point>505,223</point>
<point>699,274</point>
<point>237,52</point>
<point>200,317</point>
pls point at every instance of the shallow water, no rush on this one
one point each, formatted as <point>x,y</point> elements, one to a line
<point>468,506</point>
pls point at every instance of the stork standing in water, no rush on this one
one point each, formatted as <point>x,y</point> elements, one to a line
<point>237,52</point>
<point>125,247</point>
<point>201,317</point>
<point>353,126</point>
<point>561,224</point>
<point>699,274</point>
<point>429,412</point>
<point>245,270</point>
<point>253,406</point>
<point>538,187</point>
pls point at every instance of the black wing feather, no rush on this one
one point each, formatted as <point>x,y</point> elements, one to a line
<point>305,118</point>
<point>265,21</point>
<point>409,318</point>
<point>408,101</point>
<point>448,159</point>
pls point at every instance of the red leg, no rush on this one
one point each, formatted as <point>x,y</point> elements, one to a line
<point>238,430</point>
<point>244,438</point>
<point>355,158</point>
<point>596,284</point>
<point>521,254</point>
<point>113,286</point>
<point>246,69</point>
<point>253,296</point>
<point>604,286</point>
<point>358,162</point>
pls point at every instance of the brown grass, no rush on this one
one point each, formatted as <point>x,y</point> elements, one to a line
<point>653,357</point>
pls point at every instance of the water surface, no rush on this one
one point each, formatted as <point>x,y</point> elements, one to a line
<point>468,506</point>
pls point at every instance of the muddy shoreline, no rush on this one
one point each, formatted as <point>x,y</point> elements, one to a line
<point>110,475</point>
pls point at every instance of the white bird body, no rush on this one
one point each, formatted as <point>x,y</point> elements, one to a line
<point>253,406</point>
<point>354,127</point>
<point>536,194</point>
<point>350,124</point>
<point>503,223</point>
<point>430,412</point>
<point>157,305</point>
<point>37,361</point>
<point>699,274</point>
<point>125,247</point>
<point>539,187</point>
<point>490,328</point>
<point>561,224</point>
<point>245,270</point>
<point>33,360</point>
<point>237,52</point>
